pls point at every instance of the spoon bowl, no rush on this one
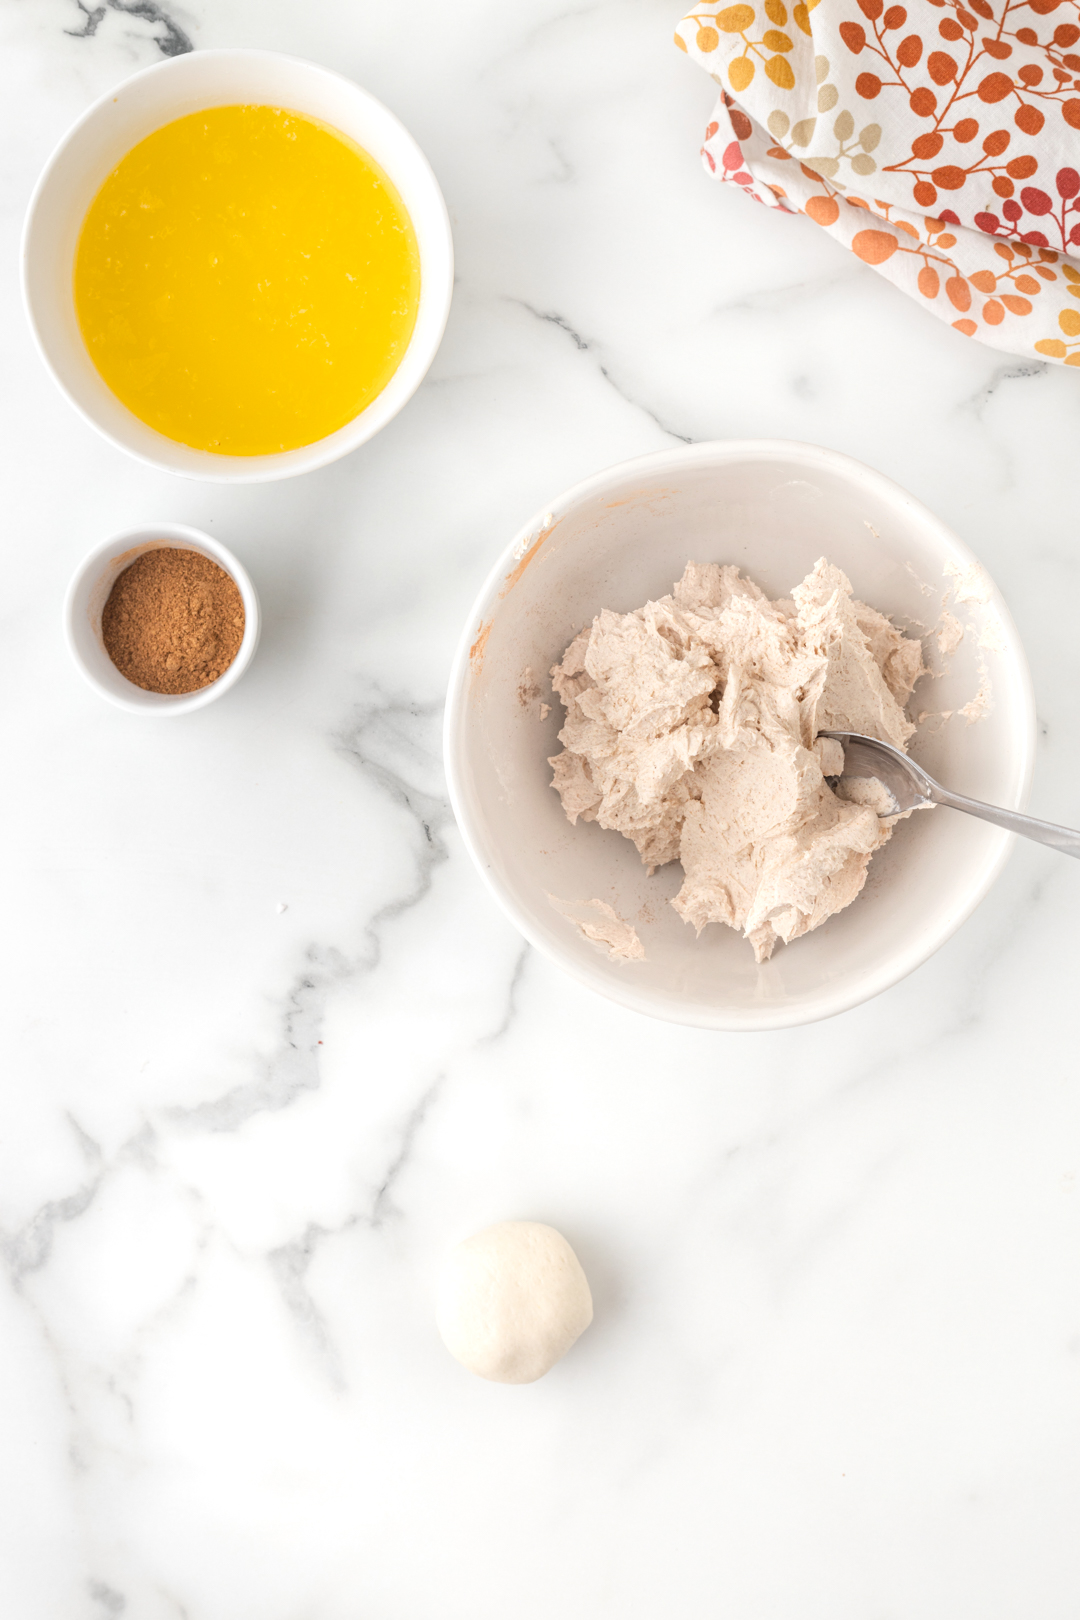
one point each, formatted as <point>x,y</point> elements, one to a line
<point>885,778</point>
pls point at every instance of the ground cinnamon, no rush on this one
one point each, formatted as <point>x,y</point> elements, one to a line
<point>173,622</point>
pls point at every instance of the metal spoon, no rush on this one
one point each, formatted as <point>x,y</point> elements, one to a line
<point>909,787</point>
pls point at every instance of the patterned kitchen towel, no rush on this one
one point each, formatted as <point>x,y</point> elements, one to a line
<point>939,141</point>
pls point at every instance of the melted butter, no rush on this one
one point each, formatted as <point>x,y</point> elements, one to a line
<point>247,280</point>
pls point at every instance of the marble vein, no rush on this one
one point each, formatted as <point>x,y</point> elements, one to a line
<point>386,740</point>
<point>294,1068</point>
<point>106,1597</point>
<point>506,1022</point>
<point>289,1265</point>
<point>171,42</point>
<point>1007,371</point>
<point>585,345</point>
<point>28,1249</point>
<point>383,1207</point>
<point>291,1261</point>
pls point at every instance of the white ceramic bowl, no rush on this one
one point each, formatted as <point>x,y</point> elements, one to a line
<point>143,103</point>
<point>624,536</point>
<point>89,591</point>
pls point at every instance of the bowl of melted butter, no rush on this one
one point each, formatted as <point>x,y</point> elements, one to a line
<point>238,266</point>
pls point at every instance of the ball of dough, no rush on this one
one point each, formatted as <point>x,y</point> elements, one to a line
<point>512,1300</point>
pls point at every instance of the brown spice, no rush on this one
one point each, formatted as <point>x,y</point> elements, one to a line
<point>173,622</point>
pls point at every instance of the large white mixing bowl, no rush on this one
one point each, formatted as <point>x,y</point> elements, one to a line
<point>624,536</point>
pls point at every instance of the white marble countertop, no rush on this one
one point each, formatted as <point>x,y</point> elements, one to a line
<point>835,1367</point>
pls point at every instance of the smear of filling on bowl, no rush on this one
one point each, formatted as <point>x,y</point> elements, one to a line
<point>692,729</point>
<point>247,280</point>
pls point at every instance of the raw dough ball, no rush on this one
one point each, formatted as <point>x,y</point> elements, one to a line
<point>512,1300</point>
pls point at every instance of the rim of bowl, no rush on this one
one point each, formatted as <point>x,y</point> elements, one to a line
<point>321,452</point>
<point>161,705</point>
<point>825,1004</point>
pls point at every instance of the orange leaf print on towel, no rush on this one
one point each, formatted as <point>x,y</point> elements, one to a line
<point>963,116</point>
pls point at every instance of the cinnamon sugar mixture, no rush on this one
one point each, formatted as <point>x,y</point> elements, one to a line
<point>173,622</point>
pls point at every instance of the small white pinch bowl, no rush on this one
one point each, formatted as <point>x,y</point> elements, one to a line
<point>110,128</point>
<point>89,591</point>
<point>623,537</point>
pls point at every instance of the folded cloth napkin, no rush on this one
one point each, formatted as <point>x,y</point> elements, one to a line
<point>939,141</point>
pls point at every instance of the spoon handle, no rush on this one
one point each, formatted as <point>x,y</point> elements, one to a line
<point>1043,832</point>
